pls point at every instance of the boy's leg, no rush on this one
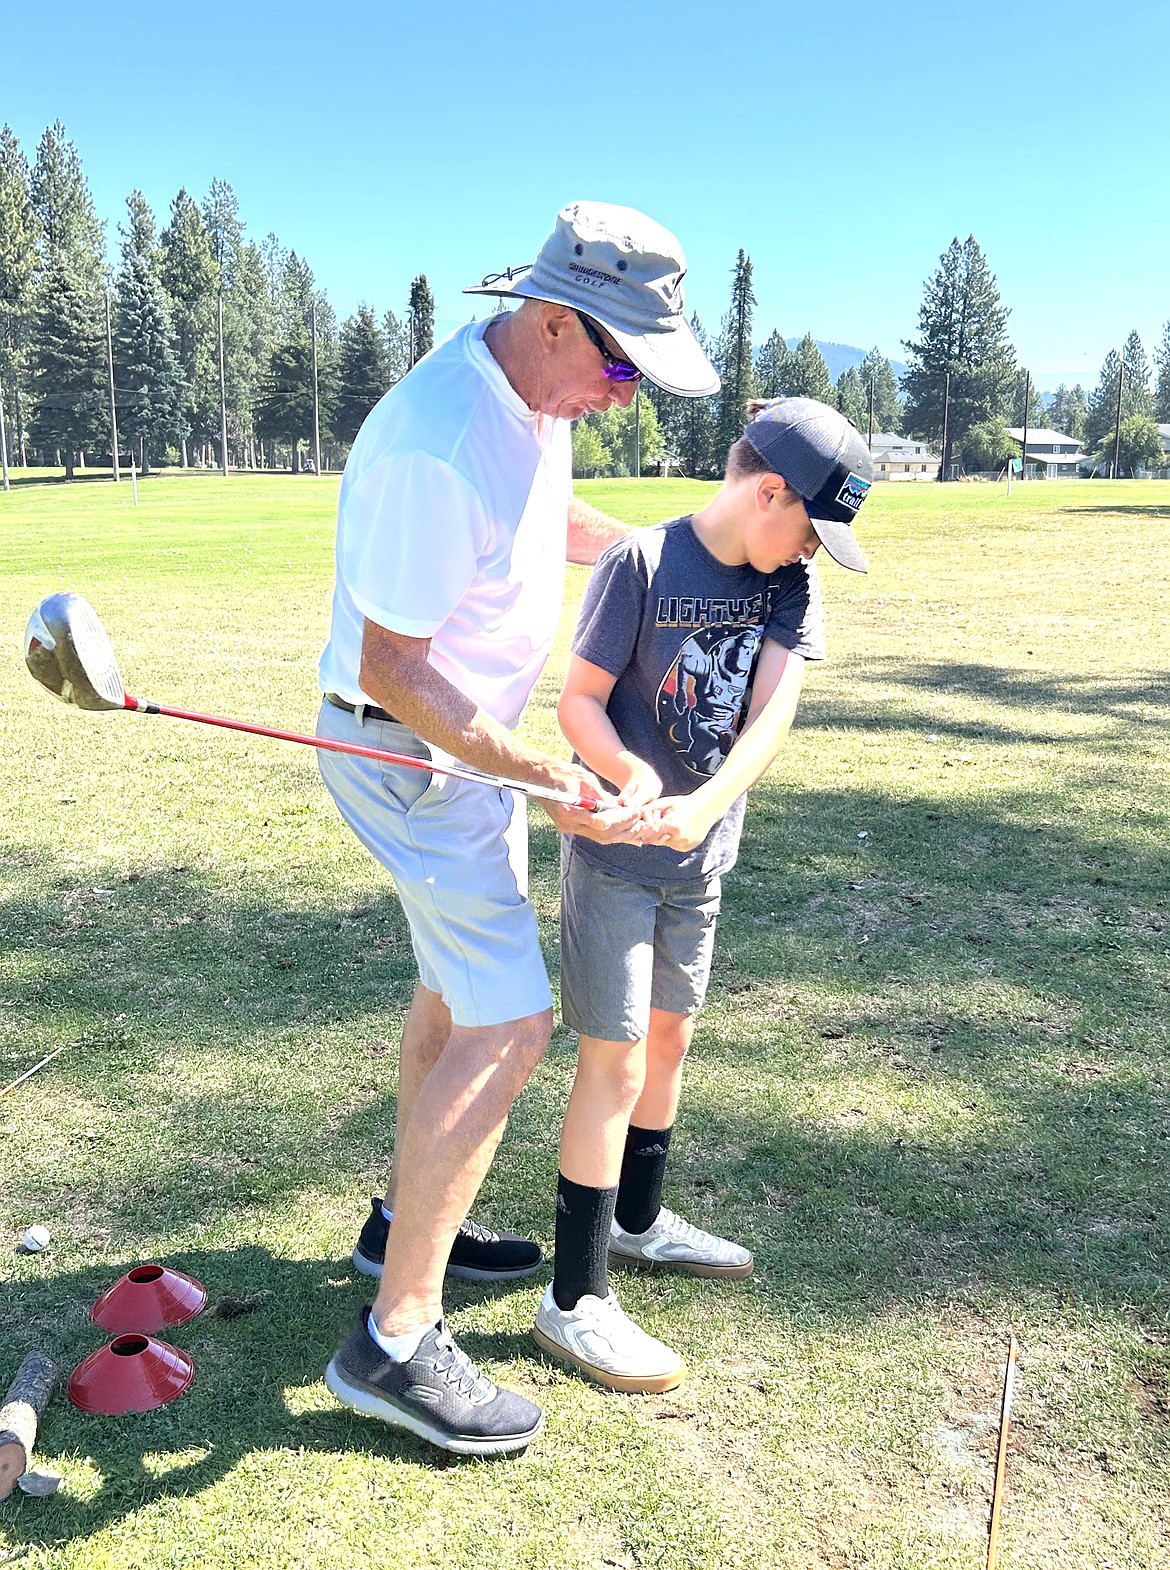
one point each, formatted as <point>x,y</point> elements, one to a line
<point>607,934</point>
<point>643,1164</point>
<point>644,1233</point>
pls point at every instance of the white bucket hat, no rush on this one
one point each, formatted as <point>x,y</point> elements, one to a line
<point>625,271</point>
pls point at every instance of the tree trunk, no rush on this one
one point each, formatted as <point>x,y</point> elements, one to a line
<point>296,457</point>
<point>144,467</point>
<point>68,465</point>
<point>28,1396</point>
<point>183,452</point>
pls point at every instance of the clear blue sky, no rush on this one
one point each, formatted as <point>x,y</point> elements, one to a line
<point>841,144</point>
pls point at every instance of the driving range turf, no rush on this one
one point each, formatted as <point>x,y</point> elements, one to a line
<point>930,1088</point>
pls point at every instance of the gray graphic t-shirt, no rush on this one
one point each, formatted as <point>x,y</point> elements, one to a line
<point>682,632</point>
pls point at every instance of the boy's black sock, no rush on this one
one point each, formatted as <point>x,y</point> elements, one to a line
<point>639,1195</point>
<point>582,1238</point>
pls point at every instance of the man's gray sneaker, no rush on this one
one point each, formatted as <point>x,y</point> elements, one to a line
<point>599,1339</point>
<point>671,1243</point>
<point>438,1394</point>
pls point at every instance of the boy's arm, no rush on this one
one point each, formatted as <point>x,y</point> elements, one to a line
<point>685,821</point>
<point>588,727</point>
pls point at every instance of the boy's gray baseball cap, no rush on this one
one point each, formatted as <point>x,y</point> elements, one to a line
<point>626,272</point>
<point>824,459</point>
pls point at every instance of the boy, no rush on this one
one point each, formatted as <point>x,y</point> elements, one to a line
<point>684,679</point>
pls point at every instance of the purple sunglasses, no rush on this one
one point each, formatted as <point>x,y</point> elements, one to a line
<point>612,368</point>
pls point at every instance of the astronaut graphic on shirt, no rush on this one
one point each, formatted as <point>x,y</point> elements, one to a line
<point>703,696</point>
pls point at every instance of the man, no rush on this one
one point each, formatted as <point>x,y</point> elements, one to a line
<point>454,522</point>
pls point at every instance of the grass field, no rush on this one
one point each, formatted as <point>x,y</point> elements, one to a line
<point>931,1088</point>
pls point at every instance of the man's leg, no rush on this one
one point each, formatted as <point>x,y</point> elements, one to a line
<point>400,1364</point>
<point>425,1034</point>
<point>445,1148</point>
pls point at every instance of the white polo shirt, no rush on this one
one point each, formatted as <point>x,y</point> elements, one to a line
<point>451,526</point>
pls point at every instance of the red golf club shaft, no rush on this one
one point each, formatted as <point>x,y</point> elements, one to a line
<point>542,792</point>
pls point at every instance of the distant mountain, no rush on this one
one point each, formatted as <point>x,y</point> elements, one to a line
<point>840,356</point>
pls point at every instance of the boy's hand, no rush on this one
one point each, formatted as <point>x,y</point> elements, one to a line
<point>677,821</point>
<point>642,784</point>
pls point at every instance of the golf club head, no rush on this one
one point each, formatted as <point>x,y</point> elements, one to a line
<point>66,649</point>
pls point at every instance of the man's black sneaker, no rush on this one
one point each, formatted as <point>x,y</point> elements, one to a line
<point>438,1394</point>
<point>477,1253</point>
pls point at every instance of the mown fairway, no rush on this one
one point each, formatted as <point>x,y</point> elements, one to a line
<point>931,1087</point>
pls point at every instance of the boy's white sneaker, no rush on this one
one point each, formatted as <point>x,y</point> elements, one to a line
<point>603,1342</point>
<point>671,1243</point>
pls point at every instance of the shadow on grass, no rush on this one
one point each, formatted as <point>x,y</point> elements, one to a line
<point>1015,689</point>
<point>1125,509</point>
<point>979,991</point>
<point>253,1387</point>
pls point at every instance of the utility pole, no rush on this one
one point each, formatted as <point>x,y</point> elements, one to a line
<point>316,400</point>
<point>1117,433</point>
<point>944,465</point>
<point>1027,397</point>
<point>222,395</point>
<point>638,430</point>
<point>3,442</point>
<point>113,401</point>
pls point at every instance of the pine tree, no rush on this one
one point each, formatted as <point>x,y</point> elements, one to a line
<point>69,226</point>
<point>688,424</point>
<point>67,355</point>
<point>1067,411</point>
<point>736,371</point>
<point>877,372</point>
<point>1101,420</point>
<point>18,264</point>
<point>1137,396</point>
<point>397,337</point>
<point>190,276</point>
<point>285,409</point>
<point>852,398</point>
<point>420,319</point>
<point>772,367</point>
<point>808,375</point>
<point>963,334</point>
<point>149,379</point>
<point>1162,387</point>
<point>364,372</point>
<point>68,362</point>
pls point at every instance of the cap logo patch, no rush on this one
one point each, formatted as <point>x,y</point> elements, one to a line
<point>853,492</point>
<point>592,277</point>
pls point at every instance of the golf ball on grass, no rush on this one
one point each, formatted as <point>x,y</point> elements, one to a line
<point>35,1239</point>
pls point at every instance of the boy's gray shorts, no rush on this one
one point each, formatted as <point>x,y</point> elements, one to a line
<point>628,947</point>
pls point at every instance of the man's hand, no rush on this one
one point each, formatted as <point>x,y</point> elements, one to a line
<point>611,825</point>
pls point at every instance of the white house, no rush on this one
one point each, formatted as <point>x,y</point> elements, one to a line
<point>902,458</point>
<point>1051,454</point>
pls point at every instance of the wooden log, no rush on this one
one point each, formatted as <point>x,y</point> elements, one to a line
<point>28,1396</point>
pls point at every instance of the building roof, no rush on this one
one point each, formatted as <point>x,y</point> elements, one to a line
<point>1042,436</point>
<point>886,444</point>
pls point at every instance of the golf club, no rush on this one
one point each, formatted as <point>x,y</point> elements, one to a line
<point>67,650</point>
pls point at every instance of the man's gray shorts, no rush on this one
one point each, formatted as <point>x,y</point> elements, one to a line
<point>458,854</point>
<point>628,947</point>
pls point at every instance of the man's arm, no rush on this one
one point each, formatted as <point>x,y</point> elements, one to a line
<point>591,532</point>
<point>395,673</point>
<point>685,821</point>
